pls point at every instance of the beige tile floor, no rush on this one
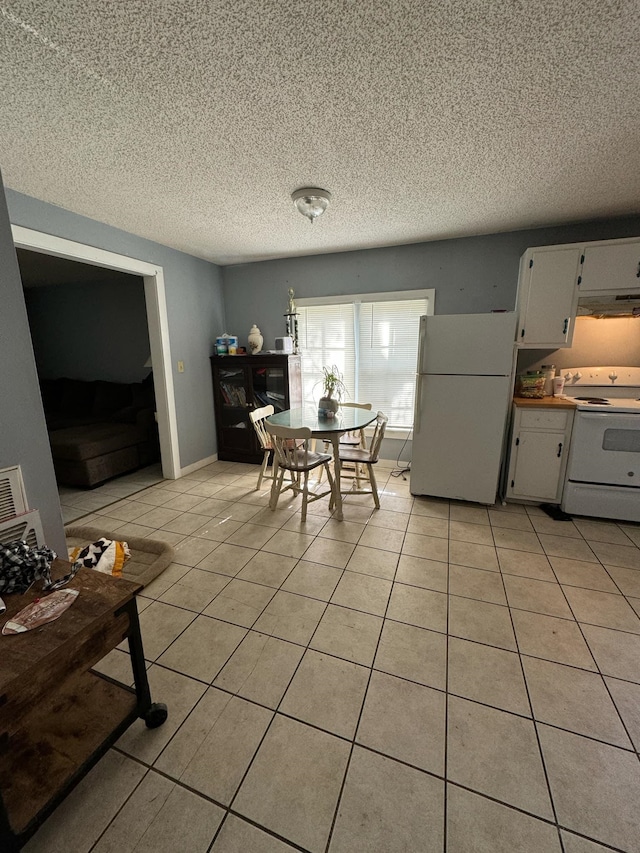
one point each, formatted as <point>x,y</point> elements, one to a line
<point>433,676</point>
<point>76,503</point>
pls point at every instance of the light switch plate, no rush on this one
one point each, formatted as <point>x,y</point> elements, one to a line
<point>181,367</point>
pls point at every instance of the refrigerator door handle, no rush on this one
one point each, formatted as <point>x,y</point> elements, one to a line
<point>422,334</point>
<point>418,405</point>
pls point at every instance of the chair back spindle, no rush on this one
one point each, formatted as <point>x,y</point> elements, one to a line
<point>378,435</point>
<point>355,437</point>
<point>257,417</point>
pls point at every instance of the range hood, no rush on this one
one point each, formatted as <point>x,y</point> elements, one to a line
<point>609,306</point>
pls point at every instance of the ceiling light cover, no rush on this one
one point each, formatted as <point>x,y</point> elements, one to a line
<point>311,201</point>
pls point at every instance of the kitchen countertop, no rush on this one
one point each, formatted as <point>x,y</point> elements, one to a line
<point>545,402</point>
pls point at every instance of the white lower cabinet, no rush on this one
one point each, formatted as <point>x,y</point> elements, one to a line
<point>540,440</point>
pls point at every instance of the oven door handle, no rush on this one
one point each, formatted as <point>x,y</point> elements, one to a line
<point>631,417</point>
<point>597,416</point>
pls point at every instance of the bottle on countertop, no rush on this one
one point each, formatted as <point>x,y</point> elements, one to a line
<point>549,371</point>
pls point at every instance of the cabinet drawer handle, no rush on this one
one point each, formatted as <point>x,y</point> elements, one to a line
<point>560,450</point>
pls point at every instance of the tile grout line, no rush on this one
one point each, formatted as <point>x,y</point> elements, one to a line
<point>210,684</point>
<point>343,570</point>
<point>403,678</point>
<point>357,726</point>
<point>274,712</point>
<point>602,678</point>
<point>445,827</point>
<point>367,612</point>
<point>400,761</point>
<point>370,674</point>
<point>124,803</point>
<point>535,724</point>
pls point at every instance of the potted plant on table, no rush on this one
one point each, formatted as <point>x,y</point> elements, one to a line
<point>333,390</point>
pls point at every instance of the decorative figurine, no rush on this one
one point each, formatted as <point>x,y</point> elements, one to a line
<point>291,318</point>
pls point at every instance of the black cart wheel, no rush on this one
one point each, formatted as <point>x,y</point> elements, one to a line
<point>156,715</point>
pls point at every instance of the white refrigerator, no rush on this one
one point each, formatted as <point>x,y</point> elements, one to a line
<point>464,385</point>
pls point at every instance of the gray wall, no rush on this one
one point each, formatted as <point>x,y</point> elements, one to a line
<point>23,433</point>
<point>194,305</point>
<point>470,274</point>
<point>105,330</point>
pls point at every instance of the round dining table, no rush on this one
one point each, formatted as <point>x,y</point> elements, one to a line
<point>330,429</point>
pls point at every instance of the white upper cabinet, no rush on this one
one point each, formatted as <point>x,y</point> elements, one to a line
<point>548,296</point>
<point>611,267</point>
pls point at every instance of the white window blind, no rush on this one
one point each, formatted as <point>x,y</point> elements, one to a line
<point>388,353</point>
<point>327,336</point>
<point>374,344</point>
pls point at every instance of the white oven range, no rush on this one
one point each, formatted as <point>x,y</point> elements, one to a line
<point>603,472</point>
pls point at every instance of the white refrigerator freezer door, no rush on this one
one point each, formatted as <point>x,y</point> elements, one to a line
<point>458,436</point>
<point>474,344</point>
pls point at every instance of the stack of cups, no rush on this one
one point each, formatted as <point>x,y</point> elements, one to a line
<point>558,386</point>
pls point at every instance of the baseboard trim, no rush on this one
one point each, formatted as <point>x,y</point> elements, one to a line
<point>202,463</point>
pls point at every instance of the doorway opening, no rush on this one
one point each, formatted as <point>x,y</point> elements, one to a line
<point>90,339</point>
<point>159,357</point>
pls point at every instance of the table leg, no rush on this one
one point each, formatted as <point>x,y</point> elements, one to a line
<point>335,441</point>
<point>153,713</point>
<point>275,474</point>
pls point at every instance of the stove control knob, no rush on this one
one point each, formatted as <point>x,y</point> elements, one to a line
<point>613,376</point>
<point>577,376</point>
<point>568,377</point>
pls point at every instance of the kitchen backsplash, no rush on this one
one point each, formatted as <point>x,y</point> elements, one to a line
<point>612,340</point>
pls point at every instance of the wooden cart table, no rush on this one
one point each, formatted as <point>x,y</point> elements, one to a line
<point>57,718</point>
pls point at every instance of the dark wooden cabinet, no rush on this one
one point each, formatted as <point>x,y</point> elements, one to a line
<point>242,383</point>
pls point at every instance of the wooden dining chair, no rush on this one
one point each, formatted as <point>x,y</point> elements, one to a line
<point>355,437</point>
<point>363,461</point>
<point>258,417</point>
<point>351,438</point>
<point>294,455</point>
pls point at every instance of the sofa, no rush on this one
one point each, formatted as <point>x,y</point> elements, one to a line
<point>99,429</point>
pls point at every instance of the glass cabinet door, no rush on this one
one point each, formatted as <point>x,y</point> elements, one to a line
<point>232,388</point>
<point>244,383</point>
<point>269,387</point>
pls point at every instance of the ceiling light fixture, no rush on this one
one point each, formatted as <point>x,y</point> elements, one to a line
<point>311,201</point>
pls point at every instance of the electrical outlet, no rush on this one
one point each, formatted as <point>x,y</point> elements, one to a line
<point>181,367</point>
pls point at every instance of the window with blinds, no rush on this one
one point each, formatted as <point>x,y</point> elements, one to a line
<point>374,344</point>
<point>327,336</point>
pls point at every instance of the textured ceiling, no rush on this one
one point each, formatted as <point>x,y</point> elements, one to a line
<point>190,122</point>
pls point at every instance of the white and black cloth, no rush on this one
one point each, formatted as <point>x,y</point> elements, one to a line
<point>21,565</point>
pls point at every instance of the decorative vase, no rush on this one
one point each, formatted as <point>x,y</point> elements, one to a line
<point>327,408</point>
<point>255,340</point>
